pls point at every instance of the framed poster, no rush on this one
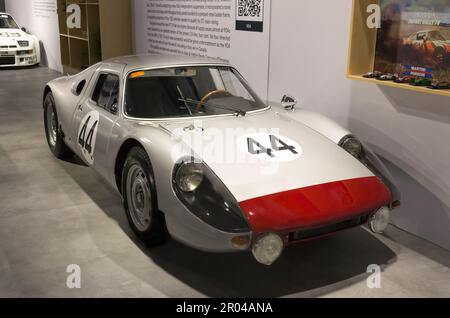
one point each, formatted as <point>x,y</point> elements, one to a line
<point>414,38</point>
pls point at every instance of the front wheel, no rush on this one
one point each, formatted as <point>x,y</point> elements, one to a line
<point>139,198</point>
<point>54,135</point>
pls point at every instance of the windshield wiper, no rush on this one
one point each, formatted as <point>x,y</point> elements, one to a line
<point>184,100</point>
<point>237,112</point>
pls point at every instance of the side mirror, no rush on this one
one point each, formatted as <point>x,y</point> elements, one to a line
<point>288,102</point>
<point>24,29</point>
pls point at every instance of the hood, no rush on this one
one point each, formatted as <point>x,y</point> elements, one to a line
<point>11,36</point>
<point>446,44</point>
<point>266,153</point>
<point>442,43</point>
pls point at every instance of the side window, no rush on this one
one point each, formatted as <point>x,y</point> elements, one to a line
<point>106,92</point>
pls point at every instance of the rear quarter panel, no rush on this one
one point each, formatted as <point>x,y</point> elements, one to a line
<point>65,100</point>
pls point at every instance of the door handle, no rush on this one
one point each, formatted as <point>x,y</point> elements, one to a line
<point>80,108</point>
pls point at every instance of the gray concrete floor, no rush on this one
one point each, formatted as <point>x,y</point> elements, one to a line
<point>55,213</point>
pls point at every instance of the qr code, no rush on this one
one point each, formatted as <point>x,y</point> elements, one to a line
<point>250,8</point>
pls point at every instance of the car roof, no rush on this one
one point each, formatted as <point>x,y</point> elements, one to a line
<point>161,60</point>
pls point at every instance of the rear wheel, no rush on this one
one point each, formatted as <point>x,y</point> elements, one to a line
<point>139,198</point>
<point>53,133</point>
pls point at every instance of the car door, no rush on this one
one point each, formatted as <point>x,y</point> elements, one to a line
<point>96,116</point>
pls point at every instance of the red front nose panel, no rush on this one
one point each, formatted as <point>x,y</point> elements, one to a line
<point>316,205</point>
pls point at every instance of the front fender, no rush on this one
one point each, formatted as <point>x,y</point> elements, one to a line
<point>37,47</point>
<point>336,133</point>
<point>164,152</point>
<point>321,124</point>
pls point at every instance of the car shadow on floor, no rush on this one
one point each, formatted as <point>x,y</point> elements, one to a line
<point>310,269</point>
<point>17,68</point>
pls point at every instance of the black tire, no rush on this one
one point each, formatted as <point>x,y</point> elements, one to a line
<point>55,142</point>
<point>150,229</point>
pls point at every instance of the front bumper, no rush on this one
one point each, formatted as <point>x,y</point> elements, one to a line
<point>19,57</point>
<point>317,205</point>
<point>297,215</point>
<point>188,229</point>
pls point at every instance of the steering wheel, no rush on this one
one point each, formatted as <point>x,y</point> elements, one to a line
<point>205,98</point>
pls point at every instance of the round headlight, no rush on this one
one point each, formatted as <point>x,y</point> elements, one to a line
<point>380,220</point>
<point>268,248</point>
<point>189,176</point>
<point>353,146</point>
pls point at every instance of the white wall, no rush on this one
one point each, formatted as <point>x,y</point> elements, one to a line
<point>41,19</point>
<point>308,58</point>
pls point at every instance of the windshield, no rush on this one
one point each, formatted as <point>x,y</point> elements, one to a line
<point>188,92</point>
<point>7,22</point>
<point>436,36</point>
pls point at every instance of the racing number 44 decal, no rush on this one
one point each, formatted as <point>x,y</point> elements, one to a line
<point>277,144</point>
<point>86,142</point>
<point>270,147</point>
<point>87,135</point>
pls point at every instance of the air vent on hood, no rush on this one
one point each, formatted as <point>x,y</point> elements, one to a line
<point>23,43</point>
<point>9,34</point>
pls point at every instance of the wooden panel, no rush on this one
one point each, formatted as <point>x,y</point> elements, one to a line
<point>79,53</point>
<point>62,16</point>
<point>403,86</point>
<point>363,40</point>
<point>65,54</point>
<point>95,46</point>
<point>83,31</point>
<point>115,25</point>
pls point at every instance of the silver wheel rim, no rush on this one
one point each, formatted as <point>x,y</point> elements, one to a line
<point>51,126</point>
<point>139,197</point>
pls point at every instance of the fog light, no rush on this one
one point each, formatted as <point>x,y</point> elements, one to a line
<point>380,220</point>
<point>268,248</point>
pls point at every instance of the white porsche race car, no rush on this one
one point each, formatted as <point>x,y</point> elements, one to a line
<point>195,153</point>
<point>17,47</point>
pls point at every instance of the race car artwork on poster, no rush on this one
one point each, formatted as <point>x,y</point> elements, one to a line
<point>197,155</point>
<point>414,39</point>
<point>17,47</point>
